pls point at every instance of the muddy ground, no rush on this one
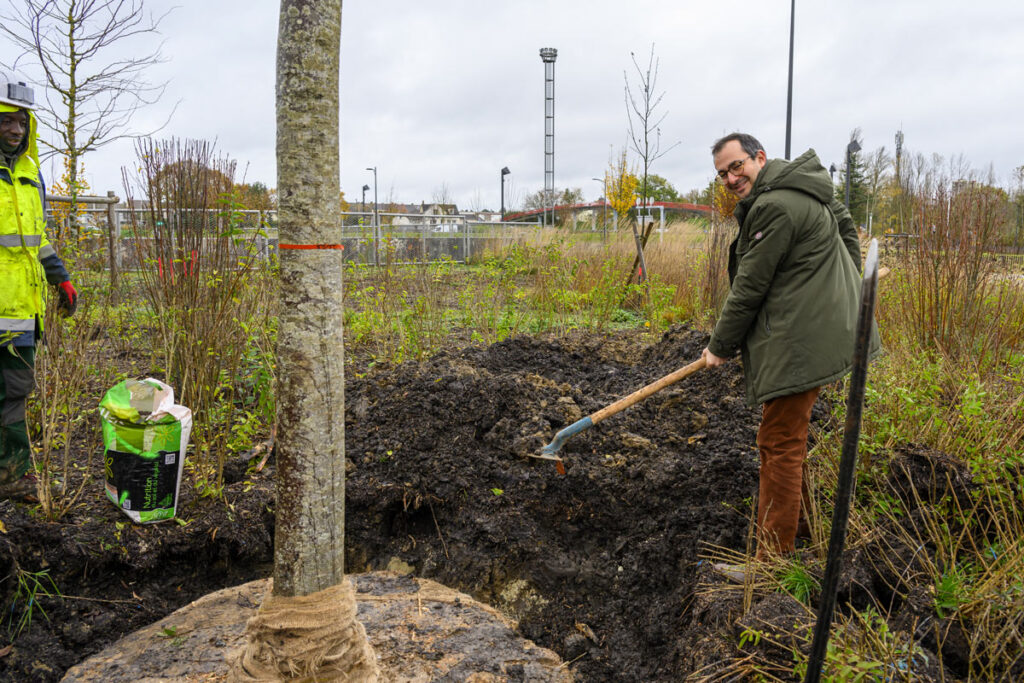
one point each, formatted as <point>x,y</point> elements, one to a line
<point>602,565</point>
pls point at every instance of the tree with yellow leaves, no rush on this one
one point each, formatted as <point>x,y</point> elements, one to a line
<point>621,184</point>
<point>723,201</point>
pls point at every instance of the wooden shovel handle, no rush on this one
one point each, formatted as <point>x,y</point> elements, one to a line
<point>652,388</point>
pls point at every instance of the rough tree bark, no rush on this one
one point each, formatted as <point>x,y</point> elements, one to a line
<point>306,629</point>
<point>309,541</point>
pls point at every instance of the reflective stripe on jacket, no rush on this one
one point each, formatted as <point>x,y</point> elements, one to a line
<point>23,240</point>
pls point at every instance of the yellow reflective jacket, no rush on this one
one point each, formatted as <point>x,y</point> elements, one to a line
<point>23,240</point>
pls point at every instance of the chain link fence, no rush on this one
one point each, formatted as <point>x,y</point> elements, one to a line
<point>396,238</point>
<point>369,239</point>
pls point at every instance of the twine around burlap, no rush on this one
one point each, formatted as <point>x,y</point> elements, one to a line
<point>307,639</point>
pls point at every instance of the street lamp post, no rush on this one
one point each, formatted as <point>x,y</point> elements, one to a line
<point>789,91</point>
<point>362,204</point>
<point>376,219</point>
<point>851,149</point>
<point>832,173</point>
<point>504,172</point>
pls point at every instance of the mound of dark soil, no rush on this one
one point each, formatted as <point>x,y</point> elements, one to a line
<point>600,565</point>
<point>597,564</point>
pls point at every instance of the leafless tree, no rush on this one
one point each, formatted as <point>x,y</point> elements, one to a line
<point>307,626</point>
<point>541,200</point>
<point>442,195</point>
<point>915,179</point>
<point>644,126</point>
<point>476,201</point>
<point>548,199</point>
<point>93,89</point>
<point>1018,204</point>
<point>878,164</point>
<point>513,196</point>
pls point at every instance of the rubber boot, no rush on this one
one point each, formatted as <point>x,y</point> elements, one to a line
<point>17,377</point>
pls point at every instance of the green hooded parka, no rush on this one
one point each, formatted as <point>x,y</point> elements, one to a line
<point>794,272</point>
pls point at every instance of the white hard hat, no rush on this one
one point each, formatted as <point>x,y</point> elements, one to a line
<point>15,89</point>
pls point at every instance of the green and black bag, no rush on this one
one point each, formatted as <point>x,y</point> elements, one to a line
<point>145,434</point>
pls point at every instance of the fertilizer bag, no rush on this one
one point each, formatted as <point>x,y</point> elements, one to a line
<point>145,435</point>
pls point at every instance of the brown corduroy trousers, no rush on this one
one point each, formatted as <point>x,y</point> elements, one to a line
<point>782,441</point>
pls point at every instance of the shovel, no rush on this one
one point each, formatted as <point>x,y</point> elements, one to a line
<point>549,451</point>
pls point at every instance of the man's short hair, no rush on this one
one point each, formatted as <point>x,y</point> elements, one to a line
<point>749,143</point>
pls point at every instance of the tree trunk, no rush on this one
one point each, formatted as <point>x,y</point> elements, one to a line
<point>639,263</point>
<point>307,628</point>
<point>310,526</point>
<point>639,267</point>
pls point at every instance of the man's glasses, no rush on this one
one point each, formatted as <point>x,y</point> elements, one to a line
<point>734,167</point>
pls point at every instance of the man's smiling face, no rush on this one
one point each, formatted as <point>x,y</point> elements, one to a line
<point>737,169</point>
<point>13,128</point>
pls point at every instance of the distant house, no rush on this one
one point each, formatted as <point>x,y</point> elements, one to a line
<point>439,209</point>
<point>441,217</point>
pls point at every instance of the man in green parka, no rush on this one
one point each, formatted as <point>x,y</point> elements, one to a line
<point>791,313</point>
<point>27,263</point>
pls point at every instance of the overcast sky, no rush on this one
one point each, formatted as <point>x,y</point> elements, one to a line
<point>447,92</point>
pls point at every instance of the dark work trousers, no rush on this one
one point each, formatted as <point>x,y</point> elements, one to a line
<point>17,377</point>
<point>782,441</point>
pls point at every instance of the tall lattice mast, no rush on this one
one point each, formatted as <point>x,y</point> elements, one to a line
<point>548,55</point>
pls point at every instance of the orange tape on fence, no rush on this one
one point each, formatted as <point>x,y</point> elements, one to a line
<point>311,246</point>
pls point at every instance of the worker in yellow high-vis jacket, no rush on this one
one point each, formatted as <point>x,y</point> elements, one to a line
<point>27,264</point>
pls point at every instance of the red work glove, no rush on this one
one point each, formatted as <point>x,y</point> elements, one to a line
<point>67,298</point>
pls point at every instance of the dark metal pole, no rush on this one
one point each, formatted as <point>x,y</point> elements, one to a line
<point>847,178</point>
<point>789,92</point>
<point>847,464</point>
<point>504,172</point>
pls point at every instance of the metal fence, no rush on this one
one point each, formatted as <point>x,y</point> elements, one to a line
<point>1009,257</point>
<point>418,238</point>
<point>114,237</point>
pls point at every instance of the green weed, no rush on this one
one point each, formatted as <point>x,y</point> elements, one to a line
<point>31,586</point>
<point>795,579</point>
<point>952,590</point>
